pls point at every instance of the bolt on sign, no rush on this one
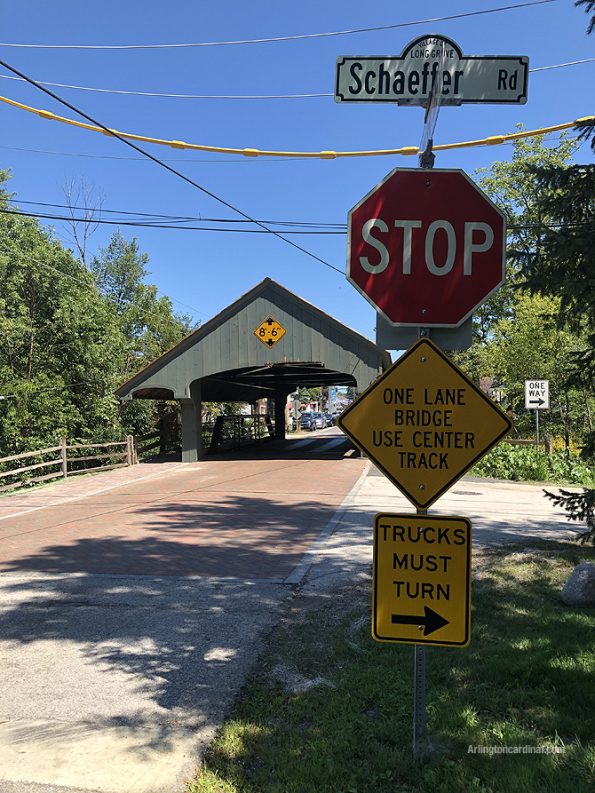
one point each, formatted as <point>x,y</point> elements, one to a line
<point>433,61</point>
<point>423,423</point>
<point>270,331</point>
<point>421,588</point>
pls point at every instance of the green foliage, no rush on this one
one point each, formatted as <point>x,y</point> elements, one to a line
<point>512,186</point>
<point>69,337</point>
<point>542,324</point>
<point>523,463</point>
<point>564,263</point>
<point>580,506</point>
<point>522,682</point>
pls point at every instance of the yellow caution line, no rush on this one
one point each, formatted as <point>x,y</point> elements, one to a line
<point>323,155</point>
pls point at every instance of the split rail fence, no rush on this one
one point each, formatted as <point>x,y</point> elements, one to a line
<point>71,459</point>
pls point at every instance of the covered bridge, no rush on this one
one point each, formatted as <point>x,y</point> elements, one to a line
<point>224,360</point>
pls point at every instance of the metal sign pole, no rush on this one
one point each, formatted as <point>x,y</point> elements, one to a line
<point>537,430</point>
<point>421,745</point>
<point>420,721</point>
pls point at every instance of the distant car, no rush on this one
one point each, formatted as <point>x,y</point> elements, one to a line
<point>307,421</point>
<point>319,421</point>
<point>330,419</point>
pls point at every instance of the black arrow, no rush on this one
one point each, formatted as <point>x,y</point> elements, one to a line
<point>430,620</point>
<point>270,342</point>
<point>537,401</point>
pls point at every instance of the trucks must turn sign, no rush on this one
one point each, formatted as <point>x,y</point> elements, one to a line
<point>421,590</point>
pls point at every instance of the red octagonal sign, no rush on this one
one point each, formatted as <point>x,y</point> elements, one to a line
<point>426,247</point>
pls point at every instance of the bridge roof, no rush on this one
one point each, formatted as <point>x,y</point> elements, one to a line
<point>233,364</point>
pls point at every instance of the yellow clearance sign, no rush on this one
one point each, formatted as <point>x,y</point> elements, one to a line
<point>423,423</point>
<point>421,590</point>
<point>270,331</point>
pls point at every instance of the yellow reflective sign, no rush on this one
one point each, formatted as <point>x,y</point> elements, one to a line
<point>421,589</point>
<point>423,423</point>
<point>270,331</point>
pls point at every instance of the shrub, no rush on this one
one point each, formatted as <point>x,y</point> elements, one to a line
<point>523,463</point>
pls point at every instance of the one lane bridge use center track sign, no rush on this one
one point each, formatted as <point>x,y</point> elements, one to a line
<point>423,423</point>
<point>421,589</point>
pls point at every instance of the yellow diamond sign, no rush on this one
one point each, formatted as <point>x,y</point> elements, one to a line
<point>421,588</point>
<point>423,423</point>
<point>270,331</point>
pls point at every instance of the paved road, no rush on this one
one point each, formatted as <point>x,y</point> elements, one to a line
<point>133,604</point>
<point>129,617</point>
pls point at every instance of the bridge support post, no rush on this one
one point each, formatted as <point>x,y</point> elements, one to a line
<point>280,402</point>
<point>192,448</point>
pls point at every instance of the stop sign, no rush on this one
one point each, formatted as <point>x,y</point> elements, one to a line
<point>426,247</point>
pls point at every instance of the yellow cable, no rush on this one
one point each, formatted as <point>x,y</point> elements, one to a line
<point>323,155</point>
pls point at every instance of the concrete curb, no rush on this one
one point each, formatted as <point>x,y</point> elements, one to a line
<point>299,572</point>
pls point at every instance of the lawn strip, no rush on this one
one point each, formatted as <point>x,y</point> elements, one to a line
<point>330,710</point>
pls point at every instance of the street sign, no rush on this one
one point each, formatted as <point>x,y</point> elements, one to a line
<point>270,331</point>
<point>537,394</point>
<point>433,60</point>
<point>421,589</point>
<point>423,423</point>
<point>426,247</point>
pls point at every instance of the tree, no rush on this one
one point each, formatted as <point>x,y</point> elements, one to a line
<point>82,201</point>
<point>529,344</point>
<point>564,266</point>
<point>59,343</point>
<point>147,322</point>
<point>512,186</point>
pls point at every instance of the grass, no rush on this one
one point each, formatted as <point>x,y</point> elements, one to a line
<point>526,679</point>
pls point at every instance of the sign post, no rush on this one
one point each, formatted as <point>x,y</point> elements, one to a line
<point>425,248</point>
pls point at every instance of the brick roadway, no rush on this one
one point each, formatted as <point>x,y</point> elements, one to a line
<point>247,518</point>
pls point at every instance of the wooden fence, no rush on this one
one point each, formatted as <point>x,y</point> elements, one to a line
<point>69,459</point>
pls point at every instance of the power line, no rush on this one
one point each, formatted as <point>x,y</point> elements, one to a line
<point>322,95</point>
<point>167,167</point>
<point>180,218</point>
<point>208,160</point>
<point>156,225</point>
<point>491,140</point>
<point>339,229</point>
<point>276,38</point>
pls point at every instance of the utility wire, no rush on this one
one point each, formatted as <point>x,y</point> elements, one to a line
<point>240,96</point>
<point>210,161</point>
<point>179,218</point>
<point>167,167</point>
<point>491,140</point>
<point>156,225</point>
<point>276,38</point>
<point>339,228</point>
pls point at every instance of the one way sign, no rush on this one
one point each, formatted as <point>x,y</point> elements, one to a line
<point>537,394</point>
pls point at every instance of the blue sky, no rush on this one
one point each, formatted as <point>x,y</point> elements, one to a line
<point>205,270</point>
